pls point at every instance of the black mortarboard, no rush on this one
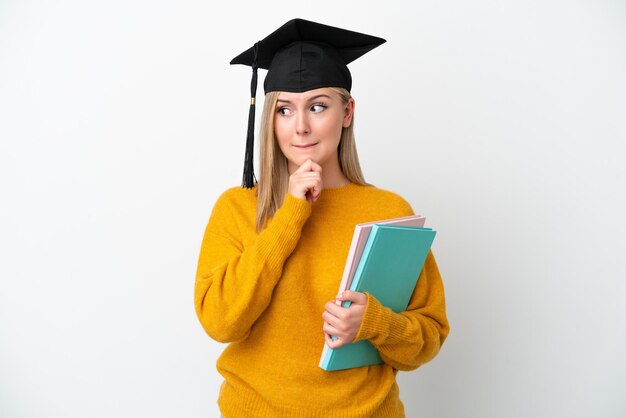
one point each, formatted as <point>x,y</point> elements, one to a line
<point>301,55</point>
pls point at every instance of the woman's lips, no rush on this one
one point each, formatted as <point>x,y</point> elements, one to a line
<point>304,146</point>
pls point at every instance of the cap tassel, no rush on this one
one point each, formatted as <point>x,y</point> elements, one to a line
<point>249,179</point>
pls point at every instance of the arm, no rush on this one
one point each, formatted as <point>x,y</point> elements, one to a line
<point>409,339</point>
<point>234,282</point>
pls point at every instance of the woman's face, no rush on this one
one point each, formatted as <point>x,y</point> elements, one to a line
<point>309,124</point>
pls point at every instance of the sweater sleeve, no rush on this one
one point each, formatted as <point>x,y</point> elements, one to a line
<point>411,338</point>
<point>234,282</point>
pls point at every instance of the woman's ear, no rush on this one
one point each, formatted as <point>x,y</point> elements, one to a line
<point>348,112</point>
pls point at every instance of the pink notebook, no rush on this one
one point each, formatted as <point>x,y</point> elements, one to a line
<point>359,239</point>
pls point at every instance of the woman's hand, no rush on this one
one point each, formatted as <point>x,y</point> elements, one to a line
<point>343,323</point>
<point>306,182</point>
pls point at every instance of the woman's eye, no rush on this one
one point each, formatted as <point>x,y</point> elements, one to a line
<point>284,111</point>
<point>318,108</point>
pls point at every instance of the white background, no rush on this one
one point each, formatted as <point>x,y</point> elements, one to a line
<point>501,121</point>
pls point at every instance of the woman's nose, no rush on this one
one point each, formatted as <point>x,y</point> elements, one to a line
<point>302,124</point>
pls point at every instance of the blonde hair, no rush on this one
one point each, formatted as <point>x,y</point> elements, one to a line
<point>274,174</point>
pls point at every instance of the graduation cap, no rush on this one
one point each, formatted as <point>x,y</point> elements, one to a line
<point>301,55</point>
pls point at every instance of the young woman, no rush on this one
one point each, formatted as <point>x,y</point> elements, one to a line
<point>273,253</point>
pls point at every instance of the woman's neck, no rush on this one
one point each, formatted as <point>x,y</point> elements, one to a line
<point>333,177</point>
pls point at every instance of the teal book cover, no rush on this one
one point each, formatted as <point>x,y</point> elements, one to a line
<point>390,265</point>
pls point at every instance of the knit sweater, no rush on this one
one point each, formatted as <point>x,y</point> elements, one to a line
<point>264,293</point>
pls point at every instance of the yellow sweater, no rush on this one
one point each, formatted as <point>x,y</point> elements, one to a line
<point>264,293</point>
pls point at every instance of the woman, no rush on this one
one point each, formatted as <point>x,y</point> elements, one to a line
<point>273,253</point>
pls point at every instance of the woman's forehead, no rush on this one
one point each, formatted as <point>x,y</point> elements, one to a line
<point>306,96</point>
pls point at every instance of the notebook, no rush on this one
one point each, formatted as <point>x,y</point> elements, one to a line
<point>388,268</point>
<point>359,239</point>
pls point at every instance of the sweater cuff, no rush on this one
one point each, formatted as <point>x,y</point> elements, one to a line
<point>376,320</point>
<point>299,206</point>
<point>285,228</point>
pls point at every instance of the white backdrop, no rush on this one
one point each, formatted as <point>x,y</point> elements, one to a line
<point>122,121</point>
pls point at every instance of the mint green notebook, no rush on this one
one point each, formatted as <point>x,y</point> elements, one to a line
<point>389,267</point>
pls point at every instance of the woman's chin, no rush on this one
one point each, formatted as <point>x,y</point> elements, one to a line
<point>301,159</point>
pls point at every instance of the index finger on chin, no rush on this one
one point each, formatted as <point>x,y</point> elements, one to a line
<point>306,166</point>
<point>315,166</point>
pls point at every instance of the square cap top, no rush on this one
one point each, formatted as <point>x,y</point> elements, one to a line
<point>302,55</point>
